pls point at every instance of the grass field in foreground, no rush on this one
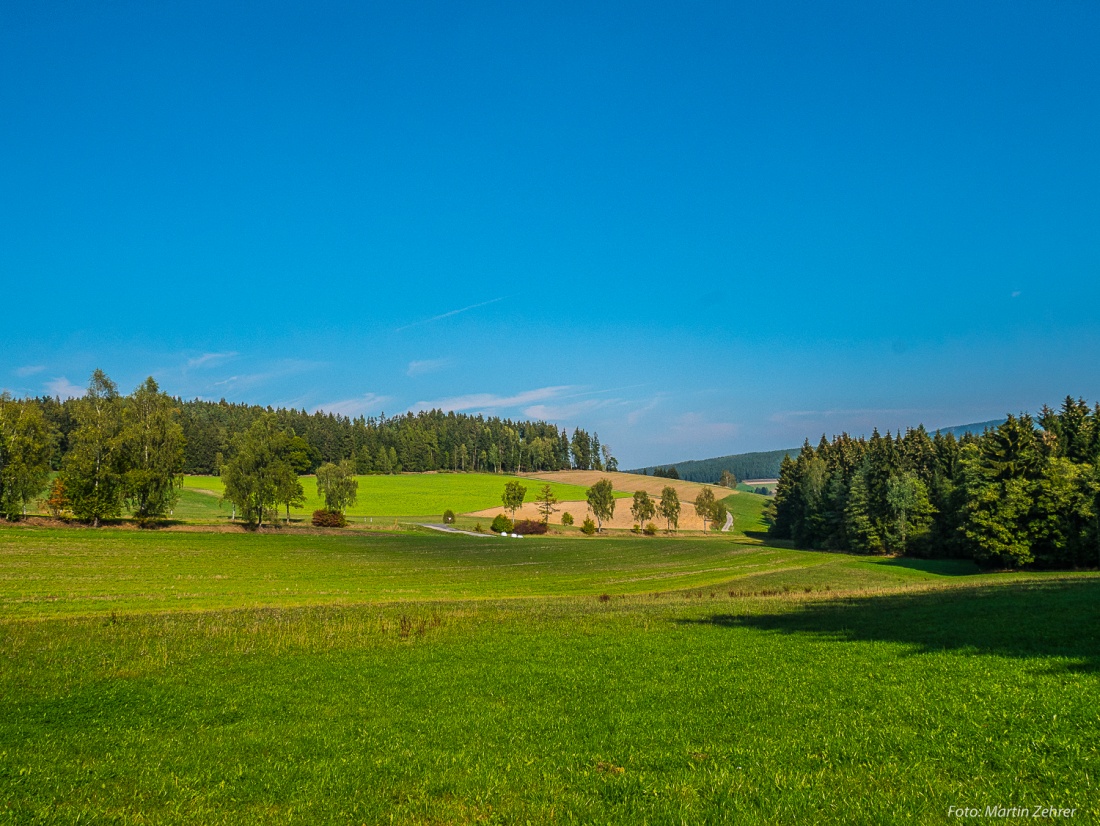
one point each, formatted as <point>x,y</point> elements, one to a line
<point>412,494</point>
<point>661,710</point>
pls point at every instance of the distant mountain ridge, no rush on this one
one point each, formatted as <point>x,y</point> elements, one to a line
<point>765,464</point>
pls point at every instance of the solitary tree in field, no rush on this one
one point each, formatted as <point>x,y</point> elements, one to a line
<point>644,508</point>
<point>704,506</point>
<point>337,485</point>
<point>727,480</point>
<point>669,508</point>
<point>152,445</point>
<point>547,500</point>
<point>26,444</point>
<point>601,500</point>
<point>513,496</point>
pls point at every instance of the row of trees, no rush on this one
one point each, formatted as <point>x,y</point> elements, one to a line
<point>122,452</point>
<point>1026,493</point>
<point>601,501</point>
<point>428,440</point>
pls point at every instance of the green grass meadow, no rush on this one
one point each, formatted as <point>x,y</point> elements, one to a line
<point>412,677</point>
<point>408,495</point>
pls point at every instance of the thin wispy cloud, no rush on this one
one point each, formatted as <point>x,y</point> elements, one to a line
<point>358,406</point>
<point>279,370</point>
<point>697,429</point>
<point>29,370</point>
<point>489,401</point>
<point>560,412</point>
<point>419,368</point>
<point>209,360</point>
<point>442,316</point>
<point>62,388</point>
<point>636,415</point>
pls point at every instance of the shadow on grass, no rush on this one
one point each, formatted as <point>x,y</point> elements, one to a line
<point>940,567</point>
<point>1049,619</point>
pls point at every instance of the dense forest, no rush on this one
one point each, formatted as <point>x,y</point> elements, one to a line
<point>743,466</point>
<point>429,440</point>
<point>1023,494</point>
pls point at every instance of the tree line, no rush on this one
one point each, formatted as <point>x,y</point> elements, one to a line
<point>428,440</point>
<point>1023,494</point>
<point>763,465</point>
<point>109,453</point>
<point>122,452</point>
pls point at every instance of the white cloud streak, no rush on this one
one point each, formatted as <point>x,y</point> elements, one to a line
<point>208,360</point>
<point>64,389</point>
<point>442,316</point>
<point>419,368</point>
<point>358,406</point>
<point>489,401</point>
<point>29,370</point>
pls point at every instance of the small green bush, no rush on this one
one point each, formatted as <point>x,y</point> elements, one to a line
<point>567,519</point>
<point>448,517</point>
<point>501,523</point>
<point>329,519</point>
<point>650,529</point>
<point>478,528</point>
<point>636,528</point>
<point>588,527</point>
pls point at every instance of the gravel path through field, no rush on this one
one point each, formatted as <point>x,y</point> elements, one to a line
<point>449,529</point>
<point>729,521</point>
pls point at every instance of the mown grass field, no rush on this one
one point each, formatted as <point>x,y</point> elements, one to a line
<point>233,678</point>
<point>410,495</point>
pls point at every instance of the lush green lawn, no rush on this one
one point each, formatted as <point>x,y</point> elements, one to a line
<point>408,678</point>
<point>412,494</point>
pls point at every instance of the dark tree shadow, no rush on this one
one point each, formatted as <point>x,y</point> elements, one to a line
<point>1059,618</point>
<point>940,567</point>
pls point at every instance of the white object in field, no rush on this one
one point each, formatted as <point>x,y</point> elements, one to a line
<point>729,521</point>
<point>515,536</point>
<point>504,533</point>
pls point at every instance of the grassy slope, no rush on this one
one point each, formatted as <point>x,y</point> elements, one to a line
<point>71,571</point>
<point>950,688</point>
<point>418,495</point>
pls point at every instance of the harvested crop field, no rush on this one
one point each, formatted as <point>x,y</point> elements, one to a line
<point>629,482</point>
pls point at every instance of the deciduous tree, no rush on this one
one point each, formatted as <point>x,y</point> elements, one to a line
<point>151,451</point>
<point>92,471</point>
<point>601,499</point>
<point>669,508</point>
<point>337,485</point>
<point>513,497</point>
<point>643,507</point>
<point>26,445</point>
<point>704,506</point>
<point>255,476</point>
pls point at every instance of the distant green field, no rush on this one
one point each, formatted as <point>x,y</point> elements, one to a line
<point>411,494</point>
<point>408,678</point>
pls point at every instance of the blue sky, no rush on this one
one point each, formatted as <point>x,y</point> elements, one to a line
<point>697,228</point>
